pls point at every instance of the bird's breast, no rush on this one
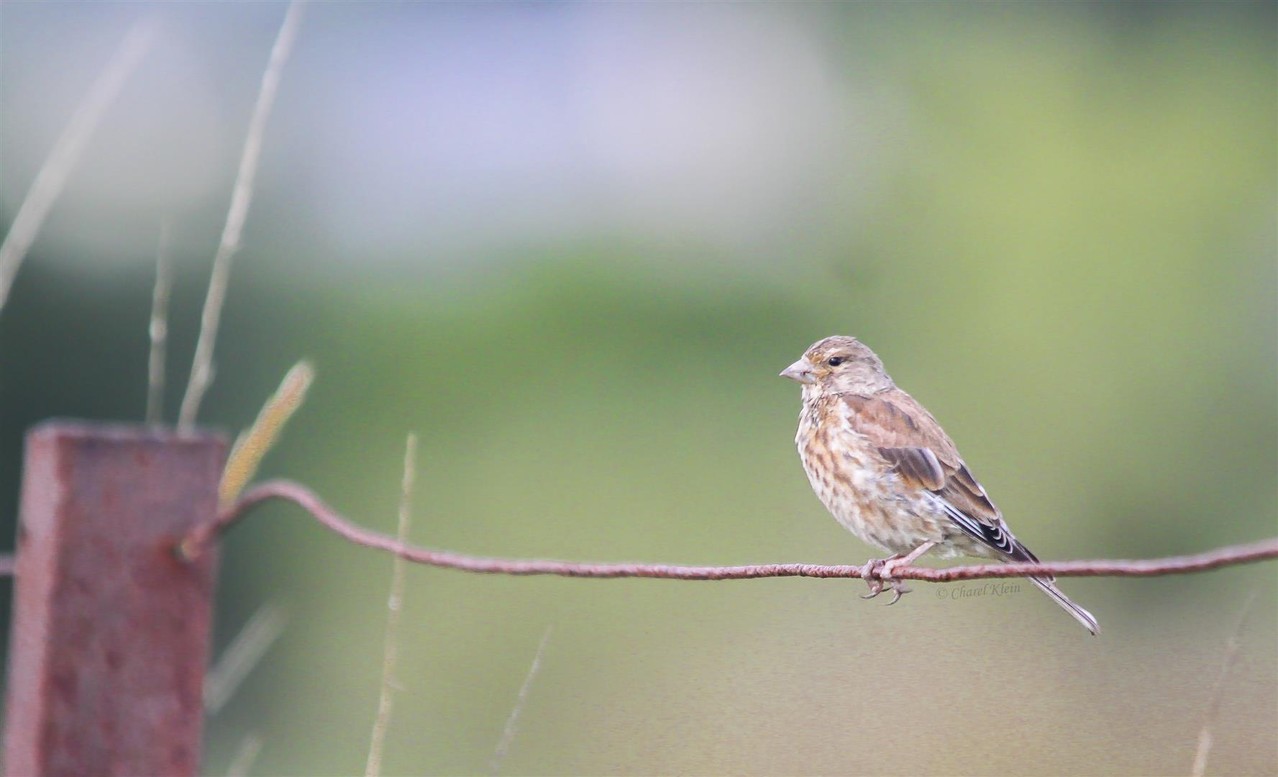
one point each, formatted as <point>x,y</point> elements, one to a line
<point>856,484</point>
<point>841,462</point>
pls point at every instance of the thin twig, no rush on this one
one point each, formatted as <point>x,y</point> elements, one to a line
<point>241,197</point>
<point>244,653</point>
<point>1205,738</point>
<point>159,329</point>
<point>508,733</point>
<point>67,149</point>
<point>200,537</point>
<point>390,645</point>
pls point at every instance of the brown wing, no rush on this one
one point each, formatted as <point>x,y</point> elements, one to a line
<point>908,437</point>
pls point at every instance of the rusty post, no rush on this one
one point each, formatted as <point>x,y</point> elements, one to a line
<point>110,632</point>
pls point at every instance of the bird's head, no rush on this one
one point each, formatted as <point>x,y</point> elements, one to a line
<point>839,365</point>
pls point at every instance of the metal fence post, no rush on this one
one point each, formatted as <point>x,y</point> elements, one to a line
<point>110,632</point>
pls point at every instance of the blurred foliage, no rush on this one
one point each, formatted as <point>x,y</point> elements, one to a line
<point>1071,258</point>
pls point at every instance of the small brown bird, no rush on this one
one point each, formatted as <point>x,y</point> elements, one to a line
<point>882,465</point>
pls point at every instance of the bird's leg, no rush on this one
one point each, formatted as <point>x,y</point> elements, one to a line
<point>890,565</point>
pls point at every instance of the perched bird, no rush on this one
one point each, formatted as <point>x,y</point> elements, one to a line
<point>882,465</point>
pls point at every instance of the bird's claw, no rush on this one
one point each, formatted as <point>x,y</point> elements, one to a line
<point>878,571</point>
<point>872,574</point>
<point>899,589</point>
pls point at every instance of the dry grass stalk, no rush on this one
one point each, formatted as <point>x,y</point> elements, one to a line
<point>508,733</point>
<point>241,197</point>
<point>1205,738</point>
<point>245,755</point>
<point>390,644</point>
<point>244,653</point>
<point>66,152</point>
<point>159,330</point>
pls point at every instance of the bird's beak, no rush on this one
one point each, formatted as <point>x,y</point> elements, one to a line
<point>799,372</point>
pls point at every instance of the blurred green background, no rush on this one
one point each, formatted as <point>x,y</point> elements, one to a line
<point>571,246</point>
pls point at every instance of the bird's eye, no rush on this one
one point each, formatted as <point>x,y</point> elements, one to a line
<point>835,361</point>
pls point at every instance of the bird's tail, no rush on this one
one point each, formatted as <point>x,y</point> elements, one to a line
<point>1082,616</point>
